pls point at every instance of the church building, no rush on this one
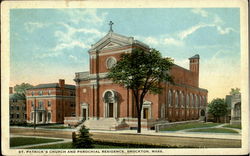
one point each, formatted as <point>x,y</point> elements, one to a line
<point>102,104</point>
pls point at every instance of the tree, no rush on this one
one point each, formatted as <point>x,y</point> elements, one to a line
<point>83,139</point>
<point>141,71</point>
<point>217,108</point>
<point>20,90</point>
<point>235,91</point>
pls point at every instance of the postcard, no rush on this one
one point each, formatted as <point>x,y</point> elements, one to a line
<point>125,77</point>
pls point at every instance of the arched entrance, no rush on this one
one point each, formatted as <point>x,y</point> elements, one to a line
<point>110,104</point>
<point>202,113</point>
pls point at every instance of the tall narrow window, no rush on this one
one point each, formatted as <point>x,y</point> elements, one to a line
<point>170,98</point>
<point>176,99</point>
<point>187,100</point>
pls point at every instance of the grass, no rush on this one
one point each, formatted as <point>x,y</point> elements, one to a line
<point>214,130</point>
<point>56,127</point>
<point>238,126</point>
<point>101,145</point>
<point>21,141</point>
<point>178,127</point>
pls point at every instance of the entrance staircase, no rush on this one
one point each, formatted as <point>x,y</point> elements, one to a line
<point>104,124</point>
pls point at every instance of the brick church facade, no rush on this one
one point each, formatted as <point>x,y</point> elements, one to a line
<point>101,104</point>
<point>50,103</point>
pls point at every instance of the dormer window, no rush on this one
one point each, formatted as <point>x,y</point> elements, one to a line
<point>32,93</point>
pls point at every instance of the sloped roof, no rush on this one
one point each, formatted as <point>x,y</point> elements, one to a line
<point>15,96</point>
<point>52,85</point>
<point>196,56</point>
<point>114,37</point>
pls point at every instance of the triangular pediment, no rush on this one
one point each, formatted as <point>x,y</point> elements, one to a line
<point>112,40</point>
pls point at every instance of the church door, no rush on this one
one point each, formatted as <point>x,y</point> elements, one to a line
<point>111,110</point>
<point>145,113</point>
<point>84,113</point>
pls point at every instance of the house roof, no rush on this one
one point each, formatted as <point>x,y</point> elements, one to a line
<point>15,96</point>
<point>52,85</point>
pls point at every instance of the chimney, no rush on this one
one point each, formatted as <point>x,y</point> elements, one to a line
<point>10,90</point>
<point>61,83</point>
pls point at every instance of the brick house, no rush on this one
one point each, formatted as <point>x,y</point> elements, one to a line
<point>17,107</point>
<point>50,103</point>
<point>105,105</point>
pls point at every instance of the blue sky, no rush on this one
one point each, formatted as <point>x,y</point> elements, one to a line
<point>48,44</point>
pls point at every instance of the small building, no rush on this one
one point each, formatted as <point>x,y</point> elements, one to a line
<point>50,103</point>
<point>17,107</point>
<point>235,109</point>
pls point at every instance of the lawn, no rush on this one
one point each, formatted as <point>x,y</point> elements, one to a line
<point>56,127</point>
<point>214,130</point>
<point>102,145</point>
<point>178,127</point>
<point>238,126</point>
<point>21,141</point>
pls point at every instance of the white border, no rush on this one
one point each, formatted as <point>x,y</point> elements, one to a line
<point>242,4</point>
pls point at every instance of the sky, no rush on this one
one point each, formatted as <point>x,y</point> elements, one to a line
<point>51,44</point>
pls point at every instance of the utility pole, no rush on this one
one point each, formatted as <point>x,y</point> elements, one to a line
<point>35,114</point>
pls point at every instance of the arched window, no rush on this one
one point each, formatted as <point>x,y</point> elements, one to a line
<point>192,100</point>
<point>170,98</point>
<point>176,99</point>
<point>187,100</point>
<point>162,111</point>
<point>196,101</point>
<point>182,100</point>
<point>200,101</point>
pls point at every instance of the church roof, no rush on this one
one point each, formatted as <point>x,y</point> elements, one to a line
<point>52,85</point>
<point>120,40</point>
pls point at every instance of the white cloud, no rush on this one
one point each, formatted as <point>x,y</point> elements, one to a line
<point>200,11</point>
<point>216,22</point>
<point>172,41</point>
<point>69,45</point>
<point>73,57</point>
<point>85,15</point>
<point>225,30</point>
<point>31,26</point>
<point>185,33</point>
<point>151,40</point>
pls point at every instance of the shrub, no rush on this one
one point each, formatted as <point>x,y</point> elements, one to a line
<point>83,139</point>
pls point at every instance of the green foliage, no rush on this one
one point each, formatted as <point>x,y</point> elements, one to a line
<point>217,108</point>
<point>142,72</point>
<point>235,91</point>
<point>83,139</point>
<point>20,90</point>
